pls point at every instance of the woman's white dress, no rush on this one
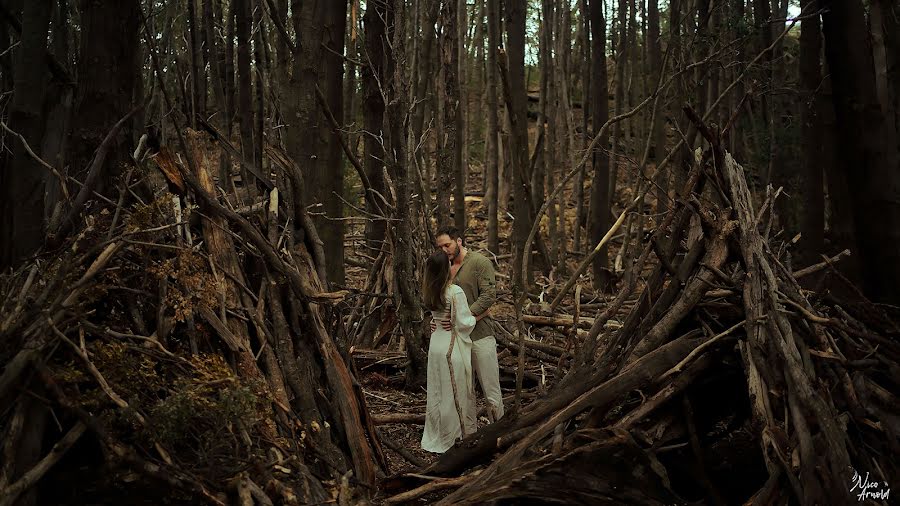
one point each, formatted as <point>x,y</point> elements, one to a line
<point>442,420</point>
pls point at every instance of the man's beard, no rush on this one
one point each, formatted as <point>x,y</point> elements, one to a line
<point>454,253</point>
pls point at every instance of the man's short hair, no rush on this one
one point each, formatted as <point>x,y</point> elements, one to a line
<point>448,230</point>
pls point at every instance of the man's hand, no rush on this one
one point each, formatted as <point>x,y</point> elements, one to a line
<point>445,324</point>
<point>482,315</point>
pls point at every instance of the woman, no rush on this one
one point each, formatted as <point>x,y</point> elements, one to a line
<point>450,409</point>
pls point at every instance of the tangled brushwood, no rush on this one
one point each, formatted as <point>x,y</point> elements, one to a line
<point>185,347</point>
<point>726,382</point>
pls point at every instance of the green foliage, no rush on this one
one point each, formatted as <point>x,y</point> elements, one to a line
<point>206,409</point>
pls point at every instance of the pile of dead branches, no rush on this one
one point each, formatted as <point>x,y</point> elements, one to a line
<point>725,383</point>
<point>188,340</point>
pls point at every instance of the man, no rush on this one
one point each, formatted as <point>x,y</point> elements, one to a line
<point>474,273</point>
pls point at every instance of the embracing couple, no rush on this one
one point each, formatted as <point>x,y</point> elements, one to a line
<point>458,287</point>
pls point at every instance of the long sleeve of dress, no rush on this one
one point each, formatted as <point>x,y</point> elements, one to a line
<point>465,320</point>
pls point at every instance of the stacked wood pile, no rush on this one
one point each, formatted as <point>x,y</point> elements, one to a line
<point>726,383</point>
<point>183,348</point>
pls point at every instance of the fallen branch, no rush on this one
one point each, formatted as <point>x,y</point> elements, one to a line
<point>434,486</point>
<point>594,252</point>
<point>55,238</point>
<point>812,269</point>
<point>401,450</point>
<point>408,418</point>
<point>10,494</point>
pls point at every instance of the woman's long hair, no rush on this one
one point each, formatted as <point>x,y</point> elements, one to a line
<point>435,281</point>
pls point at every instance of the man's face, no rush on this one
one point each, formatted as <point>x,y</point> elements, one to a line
<point>449,246</point>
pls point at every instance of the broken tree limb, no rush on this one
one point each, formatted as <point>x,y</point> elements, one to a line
<point>411,418</point>
<point>562,407</point>
<point>586,262</point>
<point>812,269</point>
<point>97,165</point>
<point>10,494</point>
<point>432,486</point>
<point>400,449</point>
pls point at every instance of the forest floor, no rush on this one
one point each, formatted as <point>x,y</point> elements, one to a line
<point>381,373</point>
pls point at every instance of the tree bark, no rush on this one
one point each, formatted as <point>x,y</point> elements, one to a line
<point>430,10</point>
<point>518,108</point>
<point>228,69</point>
<point>462,135</point>
<point>242,13</point>
<point>622,61</point>
<point>492,170</point>
<point>216,58</point>
<point>198,74</point>
<point>317,62</point>
<point>21,177</point>
<point>659,132</point>
<point>450,158</point>
<point>351,105</point>
<point>373,76</point>
<point>884,22</point>
<point>813,215</point>
<point>406,297</point>
<point>107,76</point>
<point>873,181</point>
<point>600,191</point>
<point>546,124</point>
<point>762,15</point>
<point>330,179</point>
<point>58,100</point>
<point>586,112</point>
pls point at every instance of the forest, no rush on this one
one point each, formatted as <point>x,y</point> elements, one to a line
<point>215,217</point>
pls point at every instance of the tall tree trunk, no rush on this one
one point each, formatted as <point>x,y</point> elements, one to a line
<point>21,177</point>
<point>839,206</point>
<point>429,15</point>
<point>621,65</point>
<point>198,75</point>
<point>406,297</point>
<point>350,83</point>
<point>373,75</point>
<point>450,159</point>
<point>58,101</point>
<point>462,62</point>
<point>518,108</point>
<point>493,135</point>
<point>586,101</point>
<point>242,14</point>
<point>659,132</point>
<point>813,195</point>
<point>216,64</point>
<point>107,76</point>
<point>685,156</point>
<point>873,181</point>
<point>546,125</point>
<point>762,18</point>
<point>600,188</point>
<point>783,171</point>
<point>564,124</point>
<point>259,59</point>
<point>228,70</point>
<point>331,173</point>
<point>319,26</point>
<point>885,24</point>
